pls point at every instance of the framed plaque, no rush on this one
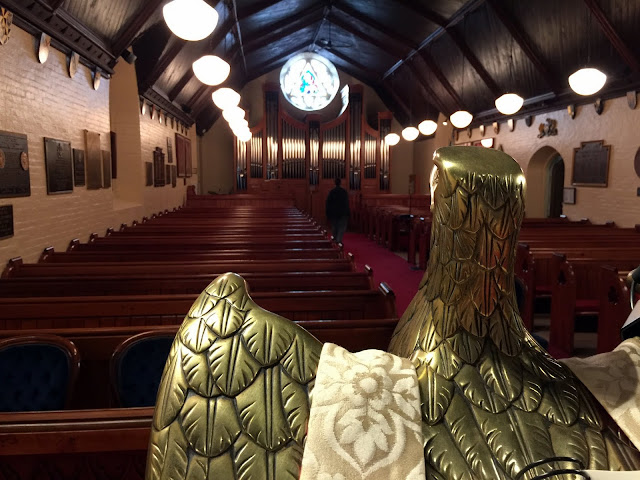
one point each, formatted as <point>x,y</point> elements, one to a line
<point>57,155</point>
<point>167,174</point>
<point>169,150</point>
<point>183,155</point>
<point>174,175</point>
<point>78,168</point>
<point>106,169</point>
<point>158,168</point>
<point>148,169</point>
<point>6,221</point>
<point>569,195</point>
<point>93,160</point>
<point>14,165</point>
<point>591,164</point>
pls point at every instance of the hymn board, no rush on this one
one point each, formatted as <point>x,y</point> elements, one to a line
<point>302,159</point>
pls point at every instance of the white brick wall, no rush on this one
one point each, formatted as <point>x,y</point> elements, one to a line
<point>42,101</point>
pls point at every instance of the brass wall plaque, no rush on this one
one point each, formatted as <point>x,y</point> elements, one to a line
<point>106,169</point>
<point>167,174</point>
<point>174,175</point>
<point>78,168</point>
<point>169,150</point>
<point>6,221</point>
<point>57,154</point>
<point>14,178</point>
<point>591,164</point>
<point>6,20</point>
<point>148,168</point>
<point>158,168</point>
<point>93,160</point>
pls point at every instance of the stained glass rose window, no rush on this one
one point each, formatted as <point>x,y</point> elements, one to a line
<point>309,81</point>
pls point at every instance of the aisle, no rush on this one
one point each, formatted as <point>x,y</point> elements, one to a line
<point>387,267</point>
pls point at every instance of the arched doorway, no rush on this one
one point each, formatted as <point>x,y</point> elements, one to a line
<point>545,181</point>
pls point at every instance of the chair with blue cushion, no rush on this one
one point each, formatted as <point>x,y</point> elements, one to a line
<point>37,372</point>
<point>136,368</point>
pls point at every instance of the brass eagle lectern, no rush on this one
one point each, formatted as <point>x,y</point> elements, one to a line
<point>234,398</point>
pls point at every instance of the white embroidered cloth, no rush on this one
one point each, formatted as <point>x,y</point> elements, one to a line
<point>614,379</point>
<point>365,419</point>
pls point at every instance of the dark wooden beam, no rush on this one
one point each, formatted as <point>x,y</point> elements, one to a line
<point>609,30</point>
<point>350,60</point>
<point>254,8</point>
<point>130,31</point>
<point>396,98</point>
<point>425,12</point>
<point>524,42</point>
<point>175,47</point>
<point>382,29</point>
<point>283,28</point>
<point>433,66</point>
<point>388,47</point>
<point>273,62</point>
<point>233,8</point>
<point>219,35</point>
<point>426,90</point>
<point>55,4</point>
<point>475,63</point>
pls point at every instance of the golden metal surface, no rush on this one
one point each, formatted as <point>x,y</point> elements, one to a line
<point>234,398</point>
<point>493,401</point>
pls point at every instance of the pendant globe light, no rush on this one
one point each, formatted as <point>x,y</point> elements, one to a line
<point>244,136</point>
<point>509,103</point>
<point>211,70</point>
<point>428,127</point>
<point>462,118</point>
<point>225,98</point>
<point>238,124</point>
<point>410,134</point>
<point>392,139</point>
<point>233,113</point>
<point>588,80</point>
<point>190,20</point>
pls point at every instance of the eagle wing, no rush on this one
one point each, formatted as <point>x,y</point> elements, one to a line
<point>234,397</point>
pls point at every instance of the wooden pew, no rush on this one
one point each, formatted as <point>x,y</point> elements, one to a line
<point>129,310</point>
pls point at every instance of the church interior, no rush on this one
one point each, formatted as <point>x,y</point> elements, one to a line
<point>177,298</point>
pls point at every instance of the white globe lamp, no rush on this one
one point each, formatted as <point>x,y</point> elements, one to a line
<point>190,20</point>
<point>225,98</point>
<point>410,134</point>
<point>392,139</point>
<point>587,81</point>
<point>211,70</point>
<point>461,119</point>
<point>428,127</point>
<point>509,103</point>
<point>233,113</point>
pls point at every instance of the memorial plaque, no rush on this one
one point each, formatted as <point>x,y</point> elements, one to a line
<point>106,169</point>
<point>174,175</point>
<point>57,155</point>
<point>591,164</point>
<point>148,168</point>
<point>78,168</point>
<point>93,160</point>
<point>14,177</point>
<point>167,174</point>
<point>6,221</point>
<point>158,168</point>
<point>169,150</point>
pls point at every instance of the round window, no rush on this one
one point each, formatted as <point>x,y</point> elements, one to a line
<point>309,81</point>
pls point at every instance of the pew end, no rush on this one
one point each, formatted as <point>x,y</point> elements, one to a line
<point>13,266</point>
<point>46,254</point>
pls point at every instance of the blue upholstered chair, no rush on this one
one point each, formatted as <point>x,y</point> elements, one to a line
<point>136,368</point>
<point>37,372</point>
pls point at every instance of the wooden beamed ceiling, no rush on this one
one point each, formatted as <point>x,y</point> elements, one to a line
<point>421,56</point>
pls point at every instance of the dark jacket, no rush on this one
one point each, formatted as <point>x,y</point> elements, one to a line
<point>337,203</point>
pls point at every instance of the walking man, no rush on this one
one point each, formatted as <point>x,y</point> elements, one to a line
<point>337,210</point>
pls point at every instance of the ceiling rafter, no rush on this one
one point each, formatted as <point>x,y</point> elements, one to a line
<point>129,32</point>
<point>175,47</point>
<point>630,59</point>
<point>283,28</point>
<point>525,44</point>
<point>425,12</point>
<point>384,46</point>
<point>426,90</point>
<point>433,66</point>
<point>475,63</point>
<point>236,29</point>
<point>255,8</point>
<point>351,61</point>
<point>219,35</point>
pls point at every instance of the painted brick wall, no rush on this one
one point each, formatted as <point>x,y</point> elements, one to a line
<point>40,100</point>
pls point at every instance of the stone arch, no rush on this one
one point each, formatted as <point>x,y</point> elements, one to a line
<point>539,170</point>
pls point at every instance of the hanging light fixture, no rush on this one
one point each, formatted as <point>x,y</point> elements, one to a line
<point>392,139</point>
<point>225,98</point>
<point>244,136</point>
<point>211,70</point>
<point>233,113</point>
<point>487,142</point>
<point>461,119</point>
<point>428,127</point>
<point>190,20</point>
<point>509,103</point>
<point>587,81</point>
<point>238,124</point>
<point>410,133</point>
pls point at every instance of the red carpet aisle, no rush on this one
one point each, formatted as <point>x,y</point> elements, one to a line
<point>387,267</point>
